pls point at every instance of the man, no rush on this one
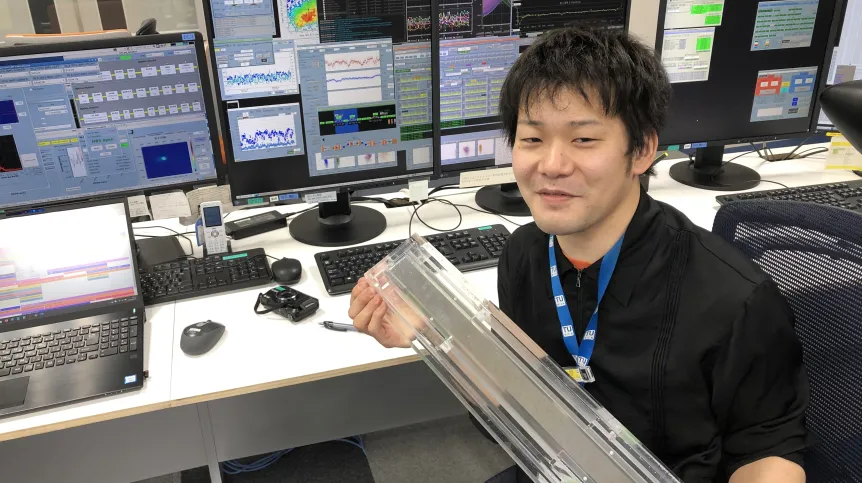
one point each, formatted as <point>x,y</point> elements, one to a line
<point>693,347</point>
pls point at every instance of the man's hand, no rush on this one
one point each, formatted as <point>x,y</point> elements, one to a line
<point>769,470</point>
<point>370,316</point>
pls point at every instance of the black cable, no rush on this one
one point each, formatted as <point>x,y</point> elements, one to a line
<point>758,150</point>
<point>739,156</point>
<point>487,212</point>
<point>444,187</point>
<point>426,202</point>
<point>790,156</point>
<point>274,258</point>
<point>774,182</point>
<point>812,152</point>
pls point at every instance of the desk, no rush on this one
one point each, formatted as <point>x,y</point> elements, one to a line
<point>270,384</point>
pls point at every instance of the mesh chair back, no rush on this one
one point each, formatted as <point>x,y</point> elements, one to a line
<point>814,254</point>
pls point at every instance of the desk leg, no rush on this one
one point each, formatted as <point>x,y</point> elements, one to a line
<point>209,442</point>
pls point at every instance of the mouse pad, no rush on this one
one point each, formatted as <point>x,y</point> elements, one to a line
<point>12,393</point>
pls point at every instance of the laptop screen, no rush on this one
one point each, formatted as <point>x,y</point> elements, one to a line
<point>65,262</point>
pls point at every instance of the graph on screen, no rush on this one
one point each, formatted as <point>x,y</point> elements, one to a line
<point>94,266</point>
<point>267,132</point>
<point>299,21</point>
<point>456,21</point>
<point>356,79</point>
<point>352,60</point>
<point>279,77</point>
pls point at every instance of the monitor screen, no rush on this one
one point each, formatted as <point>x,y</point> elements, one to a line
<point>323,95</point>
<point>92,267</point>
<point>480,42</point>
<point>743,71</point>
<point>97,120</point>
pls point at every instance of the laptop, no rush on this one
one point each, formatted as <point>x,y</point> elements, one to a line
<point>71,311</point>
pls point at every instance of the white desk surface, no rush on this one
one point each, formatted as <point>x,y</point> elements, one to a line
<point>264,352</point>
<point>155,395</point>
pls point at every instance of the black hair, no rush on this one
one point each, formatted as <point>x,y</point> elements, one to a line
<point>626,75</point>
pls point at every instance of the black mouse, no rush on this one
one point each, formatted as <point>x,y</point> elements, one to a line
<point>199,338</point>
<point>286,271</point>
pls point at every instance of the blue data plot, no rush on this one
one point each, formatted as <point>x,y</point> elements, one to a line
<point>167,160</point>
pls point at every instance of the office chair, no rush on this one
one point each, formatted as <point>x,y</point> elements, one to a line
<point>814,254</point>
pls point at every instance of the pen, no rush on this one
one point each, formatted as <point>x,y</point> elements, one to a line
<point>656,160</point>
<point>338,327</point>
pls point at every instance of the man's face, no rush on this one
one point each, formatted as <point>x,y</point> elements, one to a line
<point>570,162</point>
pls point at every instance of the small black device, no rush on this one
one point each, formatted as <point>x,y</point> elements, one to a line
<point>472,249</point>
<point>847,195</point>
<point>291,304</point>
<point>186,278</point>
<point>255,225</point>
<point>286,271</point>
<point>198,339</point>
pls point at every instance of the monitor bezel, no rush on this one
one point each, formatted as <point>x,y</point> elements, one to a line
<point>813,125</point>
<point>295,195</point>
<point>206,87</point>
<point>440,173</point>
<point>137,303</point>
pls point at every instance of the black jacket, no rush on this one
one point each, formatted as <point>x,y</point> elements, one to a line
<point>695,349</point>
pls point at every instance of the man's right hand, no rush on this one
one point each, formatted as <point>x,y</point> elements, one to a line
<point>370,316</point>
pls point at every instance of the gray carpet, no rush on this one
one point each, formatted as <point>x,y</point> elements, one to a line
<point>448,450</point>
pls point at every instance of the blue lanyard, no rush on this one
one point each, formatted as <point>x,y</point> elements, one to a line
<point>583,353</point>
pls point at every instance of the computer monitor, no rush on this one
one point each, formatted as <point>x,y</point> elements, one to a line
<point>846,56</point>
<point>478,46</point>
<point>321,98</point>
<point>104,117</point>
<point>743,71</point>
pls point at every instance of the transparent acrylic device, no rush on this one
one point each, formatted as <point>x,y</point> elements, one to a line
<point>550,425</point>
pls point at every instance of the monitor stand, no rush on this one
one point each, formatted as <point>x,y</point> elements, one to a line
<point>337,224</point>
<point>502,199</point>
<point>858,173</point>
<point>708,171</point>
<point>157,250</point>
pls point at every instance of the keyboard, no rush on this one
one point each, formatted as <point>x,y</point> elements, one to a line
<point>75,344</point>
<point>183,279</point>
<point>846,195</point>
<point>472,249</point>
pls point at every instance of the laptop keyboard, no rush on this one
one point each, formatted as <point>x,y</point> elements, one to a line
<point>69,346</point>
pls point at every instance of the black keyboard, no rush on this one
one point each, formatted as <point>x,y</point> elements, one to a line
<point>846,195</point>
<point>182,279</point>
<point>472,249</point>
<point>114,334</point>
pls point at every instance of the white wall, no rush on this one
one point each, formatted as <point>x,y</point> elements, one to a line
<point>15,20</point>
<point>643,21</point>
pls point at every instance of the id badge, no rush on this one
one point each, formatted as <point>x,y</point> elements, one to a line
<point>581,375</point>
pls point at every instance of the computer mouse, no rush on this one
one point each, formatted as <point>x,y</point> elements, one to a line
<point>286,271</point>
<point>199,338</point>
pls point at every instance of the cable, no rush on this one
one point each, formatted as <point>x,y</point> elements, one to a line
<point>426,202</point>
<point>790,156</point>
<point>234,467</point>
<point>774,182</point>
<point>270,256</point>
<point>444,187</point>
<point>758,151</point>
<point>739,156</point>
<point>811,152</point>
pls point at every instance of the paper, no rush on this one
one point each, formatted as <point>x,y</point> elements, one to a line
<point>842,155</point>
<point>169,205</point>
<point>418,190</point>
<point>209,193</point>
<point>487,177</point>
<point>138,206</point>
<point>325,197</point>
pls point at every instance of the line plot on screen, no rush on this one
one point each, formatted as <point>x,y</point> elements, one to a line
<point>352,60</point>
